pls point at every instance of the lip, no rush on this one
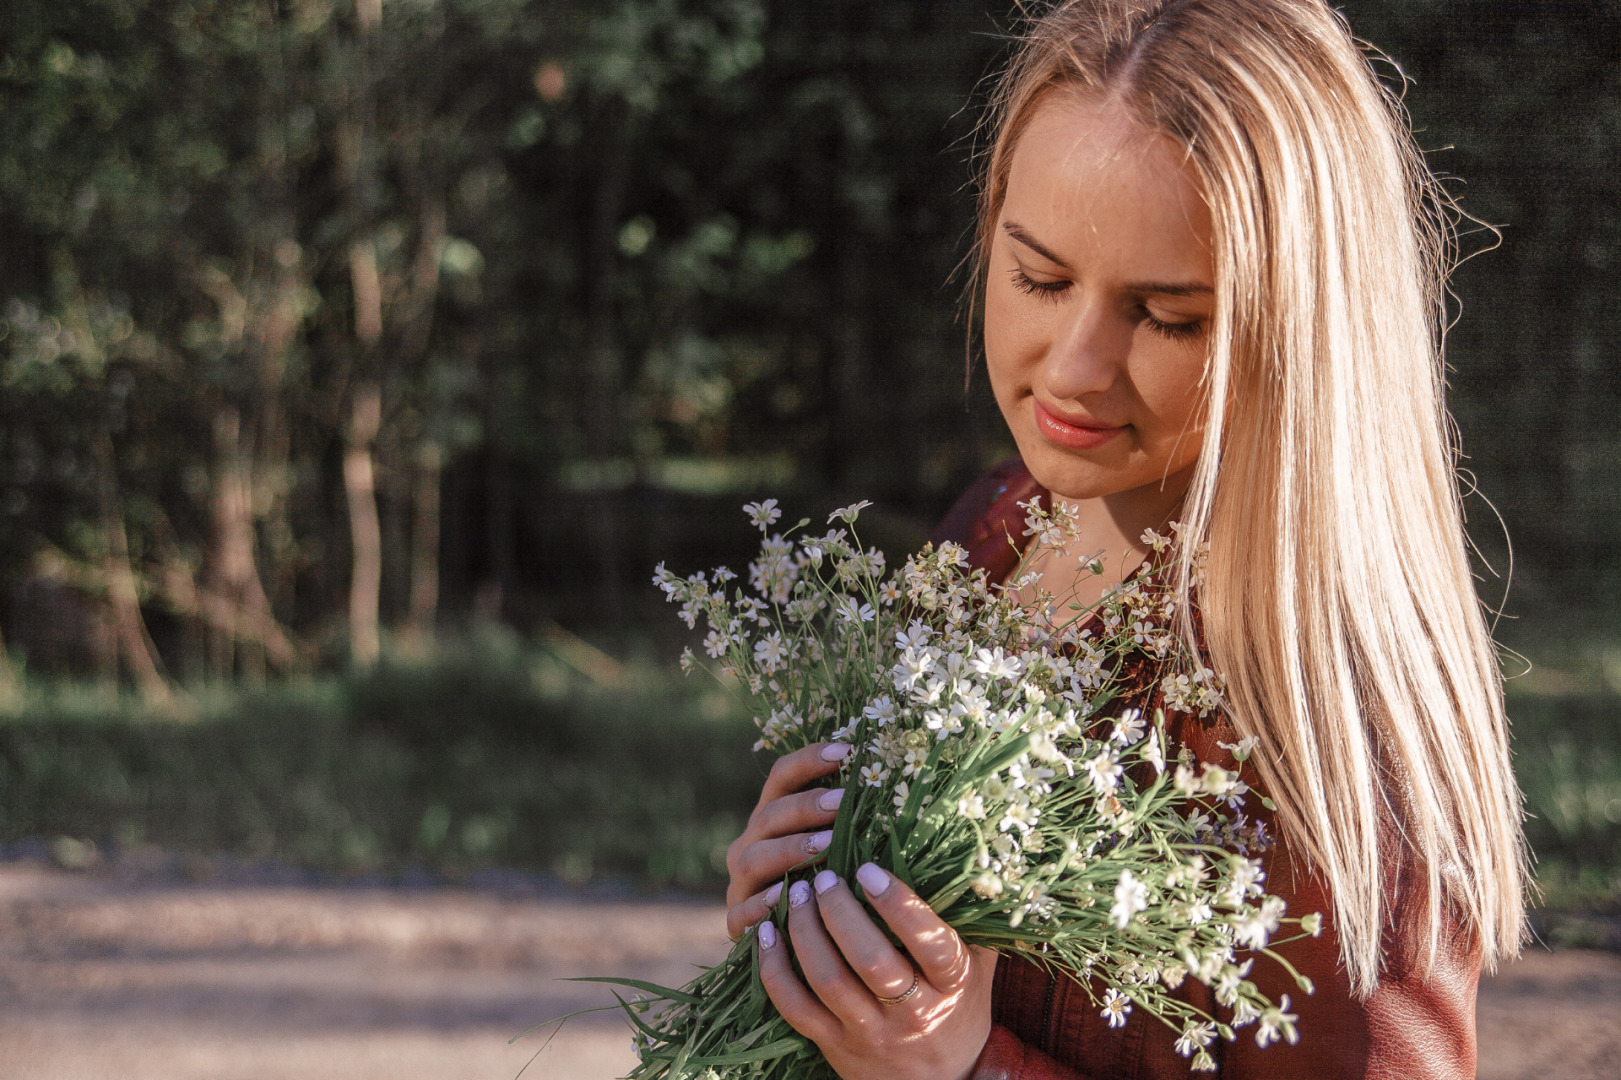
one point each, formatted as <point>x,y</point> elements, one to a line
<point>1069,433</point>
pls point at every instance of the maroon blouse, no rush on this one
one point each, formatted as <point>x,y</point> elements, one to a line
<point>1412,1027</point>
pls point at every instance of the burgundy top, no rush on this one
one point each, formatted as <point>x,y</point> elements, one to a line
<point>1412,1027</point>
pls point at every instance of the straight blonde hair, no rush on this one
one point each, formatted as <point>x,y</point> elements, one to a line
<point>1337,596</point>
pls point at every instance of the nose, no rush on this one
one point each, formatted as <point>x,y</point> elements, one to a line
<point>1088,351</point>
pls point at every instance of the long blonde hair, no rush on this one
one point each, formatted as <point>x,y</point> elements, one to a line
<point>1337,598</point>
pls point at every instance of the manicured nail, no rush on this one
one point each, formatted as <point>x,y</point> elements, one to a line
<point>830,799</point>
<point>819,841</point>
<point>837,751</point>
<point>825,881</point>
<point>798,894</point>
<point>768,935</point>
<point>873,879</point>
<point>771,895</point>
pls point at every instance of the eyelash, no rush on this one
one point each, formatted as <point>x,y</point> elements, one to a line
<point>1052,290</point>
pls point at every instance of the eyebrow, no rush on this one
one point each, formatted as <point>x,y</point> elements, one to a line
<point>1163,288</point>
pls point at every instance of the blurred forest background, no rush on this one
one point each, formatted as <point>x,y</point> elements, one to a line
<point>359,360</point>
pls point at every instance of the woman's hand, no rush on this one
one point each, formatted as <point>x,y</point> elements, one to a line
<point>786,830</point>
<point>937,1015</point>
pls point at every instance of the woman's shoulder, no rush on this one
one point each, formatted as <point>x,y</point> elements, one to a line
<point>986,519</point>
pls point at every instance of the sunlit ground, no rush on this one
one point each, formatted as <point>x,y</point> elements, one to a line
<point>176,981</point>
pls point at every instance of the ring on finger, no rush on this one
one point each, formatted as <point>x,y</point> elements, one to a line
<point>904,995</point>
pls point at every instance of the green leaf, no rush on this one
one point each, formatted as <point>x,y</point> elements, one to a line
<point>637,984</point>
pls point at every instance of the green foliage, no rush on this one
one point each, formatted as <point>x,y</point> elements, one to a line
<point>486,755</point>
<point>635,245</point>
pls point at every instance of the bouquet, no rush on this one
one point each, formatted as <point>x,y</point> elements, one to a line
<point>999,768</point>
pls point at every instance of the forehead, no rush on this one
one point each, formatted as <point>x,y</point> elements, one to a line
<point>1086,175</point>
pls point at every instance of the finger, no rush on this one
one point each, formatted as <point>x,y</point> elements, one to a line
<point>789,815</point>
<point>765,861</point>
<point>940,954</point>
<point>823,965</point>
<point>877,963</point>
<point>803,812</point>
<point>795,772</point>
<point>744,915</point>
<point>804,1013</point>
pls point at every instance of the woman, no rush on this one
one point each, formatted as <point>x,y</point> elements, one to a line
<point>1211,262</point>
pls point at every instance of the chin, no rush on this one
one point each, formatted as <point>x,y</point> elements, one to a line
<point>1067,475</point>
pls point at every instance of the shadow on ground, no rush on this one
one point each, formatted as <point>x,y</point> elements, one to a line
<point>165,980</point>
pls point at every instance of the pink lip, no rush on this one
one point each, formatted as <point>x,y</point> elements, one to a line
<point>1071,434</point>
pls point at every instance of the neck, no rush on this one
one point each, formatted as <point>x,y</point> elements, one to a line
<point>1111,528</point>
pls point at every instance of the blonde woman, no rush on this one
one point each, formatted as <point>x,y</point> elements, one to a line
<point>1211,264</point>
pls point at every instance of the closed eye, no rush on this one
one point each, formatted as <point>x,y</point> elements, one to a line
<point>1175,331</point>
<point>1045,290</point>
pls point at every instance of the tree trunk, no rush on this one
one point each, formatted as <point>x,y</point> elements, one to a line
<point>123,599</point>
<point>365,530</point>
<point>425,545</point>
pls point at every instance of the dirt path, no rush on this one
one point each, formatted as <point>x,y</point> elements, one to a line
<point>168,981</point>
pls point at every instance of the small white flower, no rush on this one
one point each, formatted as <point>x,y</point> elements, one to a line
<point>1115,1007</point>
<point>1129,727</point>
<point>1195,1037</point>
<point>1275,1021</point>
<point>763,514</point>
<point>902,791</point>
<point>848,514</point>
<point>1242,748</point>
<point>882,710</point>
<point>1153,753</point>
<point>994,663</point>
<point>1130,897</point>
<point>1104,772</point>
<point>770,653</point>
<point>716,644</point>
<point>972,806</point>
<point>1231,981</point>
<point>873,774</point>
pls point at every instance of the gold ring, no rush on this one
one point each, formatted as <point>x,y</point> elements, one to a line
<point>910,990</point>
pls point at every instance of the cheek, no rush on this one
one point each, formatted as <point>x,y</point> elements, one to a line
<point>1012,340</point>
<point>1170,388</point>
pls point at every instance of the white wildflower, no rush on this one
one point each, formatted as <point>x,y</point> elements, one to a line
<point>1104,772</point>
<point>1130,897</point>
<point>763,514</point>
<point>1129,727</point>
<point>848,514</point>
<point>1277,1021</point>
<point>1115,1007</point>
<point>1195,1037</point>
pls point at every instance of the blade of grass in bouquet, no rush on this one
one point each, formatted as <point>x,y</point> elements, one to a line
<point>638,984</point>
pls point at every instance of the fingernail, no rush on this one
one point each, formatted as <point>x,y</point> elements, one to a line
<point>837,751</point>
<point>768,935</point>
<point>830,799</point>
<point>873,879</point>
<point>819,841</point>
<point>798,894</point>
<point>771,895</point>
<point>825,881</point>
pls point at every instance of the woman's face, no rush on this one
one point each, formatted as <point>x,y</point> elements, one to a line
<point>1097,303</point>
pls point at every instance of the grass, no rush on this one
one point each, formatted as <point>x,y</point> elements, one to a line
<point>494,753</point>
<point>486,754</point>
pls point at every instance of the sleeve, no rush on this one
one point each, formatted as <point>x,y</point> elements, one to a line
<point>1008,1057</point>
